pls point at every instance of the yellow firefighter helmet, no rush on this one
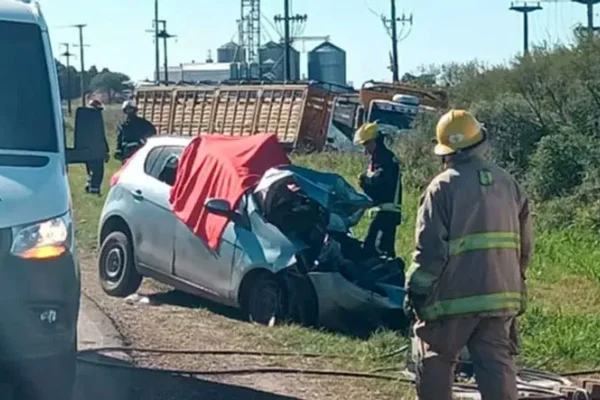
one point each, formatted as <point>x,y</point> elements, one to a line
<point>366,132</point>
<point>457,130</point>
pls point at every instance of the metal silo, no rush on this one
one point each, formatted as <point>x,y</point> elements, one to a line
<point>231,52</point>
<point>327,63</point>
<point>271,55</point>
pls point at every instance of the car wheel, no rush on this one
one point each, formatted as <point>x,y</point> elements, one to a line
<point>117,271</point>
<point>50,378</point>
<point>267,300</point>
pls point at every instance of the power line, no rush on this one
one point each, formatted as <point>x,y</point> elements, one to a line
<point>67,55</point>
<point>525,9</point>
<point>287,38</point>
<point>393,31</point>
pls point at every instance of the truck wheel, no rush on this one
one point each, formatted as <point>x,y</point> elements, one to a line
<point>118,275</point>
<point>266,300</point>
<point>51,378</point>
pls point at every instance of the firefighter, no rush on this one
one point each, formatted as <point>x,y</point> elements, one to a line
<point>383,183</point>
<point>132,132</point>
<point>466,285</point>
<point>95,168</point>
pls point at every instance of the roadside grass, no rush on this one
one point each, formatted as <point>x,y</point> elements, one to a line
<point>559,331</point>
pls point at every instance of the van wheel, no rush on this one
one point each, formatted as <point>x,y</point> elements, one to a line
<point>266,300</point>
<point>118,275</point>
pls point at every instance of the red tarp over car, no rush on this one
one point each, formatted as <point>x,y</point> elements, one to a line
<point>220,167</point>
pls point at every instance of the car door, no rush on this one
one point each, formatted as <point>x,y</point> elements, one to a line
<point>156,223</point>
<point>198,264</point>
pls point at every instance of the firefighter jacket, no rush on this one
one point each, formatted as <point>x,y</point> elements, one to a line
<point>474,241</point>
<point>383,181</point>
<point>132,130</point>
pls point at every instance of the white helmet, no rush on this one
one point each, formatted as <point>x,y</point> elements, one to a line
<point>128,104</point>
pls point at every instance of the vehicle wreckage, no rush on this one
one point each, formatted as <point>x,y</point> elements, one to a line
<point>232,220</point>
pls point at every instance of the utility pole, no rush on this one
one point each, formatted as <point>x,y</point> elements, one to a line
<point>393,22</point>
<point>287,19</point>
<point>156,45</point>
<point>525,9</point>
<point>590,14</point>
<point>82,73</point>
<point>164,35</point>
<point>67,54</point>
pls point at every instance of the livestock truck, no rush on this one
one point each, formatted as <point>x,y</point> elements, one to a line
<point>305,116</point>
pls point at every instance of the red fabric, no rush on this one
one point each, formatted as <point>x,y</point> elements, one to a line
<point>221,167</point>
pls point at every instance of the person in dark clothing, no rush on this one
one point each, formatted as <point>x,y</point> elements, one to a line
<point>132,132</point>
<point>382,182</point>
<point>95,168</point>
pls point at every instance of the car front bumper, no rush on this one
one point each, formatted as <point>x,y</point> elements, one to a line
<point>39,303</point>
<point>338,297</point>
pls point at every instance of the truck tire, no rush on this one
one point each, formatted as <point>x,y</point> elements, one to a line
<point>116,267</point>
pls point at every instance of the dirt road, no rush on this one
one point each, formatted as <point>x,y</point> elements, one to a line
<point>177,321</point>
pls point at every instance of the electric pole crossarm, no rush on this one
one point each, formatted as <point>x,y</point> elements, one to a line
<point>393,31</point>
<point>287,39</point>
<point>525,9</point>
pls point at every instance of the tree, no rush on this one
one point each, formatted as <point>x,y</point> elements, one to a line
<point>110,83</point>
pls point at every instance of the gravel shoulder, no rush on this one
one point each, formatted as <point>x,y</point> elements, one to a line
<point>175,321</point>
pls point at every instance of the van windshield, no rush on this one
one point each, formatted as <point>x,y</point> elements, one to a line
<point>26,112</point>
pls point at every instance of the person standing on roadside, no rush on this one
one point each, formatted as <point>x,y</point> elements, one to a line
<point>132,132</point>
<point>466,285</point>
<point>382,182</point>
<point>95,168</point>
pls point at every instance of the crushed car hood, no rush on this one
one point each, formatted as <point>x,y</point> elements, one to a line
<point>345,205</point>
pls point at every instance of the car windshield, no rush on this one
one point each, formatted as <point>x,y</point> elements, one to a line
<point>26,112</point>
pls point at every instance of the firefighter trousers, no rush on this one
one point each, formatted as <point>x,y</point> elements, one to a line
<point>95,170</point>
<point>492,344</point>
<point>381,236</point>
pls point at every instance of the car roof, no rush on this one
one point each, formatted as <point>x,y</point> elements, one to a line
<point>21,11</point>
<point>170,140</point>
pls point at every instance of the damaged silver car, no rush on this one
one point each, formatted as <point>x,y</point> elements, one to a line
<point>285,253</point>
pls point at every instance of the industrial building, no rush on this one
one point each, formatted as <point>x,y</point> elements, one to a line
<point>272,60</point>
<point>327,63</point>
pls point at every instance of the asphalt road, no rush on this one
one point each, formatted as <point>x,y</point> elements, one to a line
<point>116,379</point>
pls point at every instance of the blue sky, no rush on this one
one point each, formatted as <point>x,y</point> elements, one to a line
<point>443,30</point>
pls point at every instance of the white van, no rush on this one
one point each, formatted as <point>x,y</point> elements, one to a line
<point>39,272</point>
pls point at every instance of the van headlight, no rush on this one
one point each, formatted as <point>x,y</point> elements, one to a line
<point>43,240</point>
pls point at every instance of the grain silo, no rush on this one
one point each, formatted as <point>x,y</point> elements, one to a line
<point>231,52</point>
<point>327,63</point>
<point>272,57</point>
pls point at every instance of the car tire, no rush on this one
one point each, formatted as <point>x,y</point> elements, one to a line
<point>266,300</point>
<point>50,378</point>
<point>118,274</point>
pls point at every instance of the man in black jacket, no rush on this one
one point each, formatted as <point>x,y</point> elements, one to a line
<point>382,182</point>
<point>95,168</point>
<point>132,132</point>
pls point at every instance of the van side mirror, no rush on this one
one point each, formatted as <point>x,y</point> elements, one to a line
<point>89,137</point>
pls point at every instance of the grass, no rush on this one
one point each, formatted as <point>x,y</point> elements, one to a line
<point>559,331</point>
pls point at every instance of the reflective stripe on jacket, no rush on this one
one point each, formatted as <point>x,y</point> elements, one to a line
<point>474,242</point>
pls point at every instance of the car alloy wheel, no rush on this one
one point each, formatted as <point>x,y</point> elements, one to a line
<point>118,274</point>
<point>115,263</point>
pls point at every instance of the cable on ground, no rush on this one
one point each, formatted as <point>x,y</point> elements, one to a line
<point>539,393</point>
